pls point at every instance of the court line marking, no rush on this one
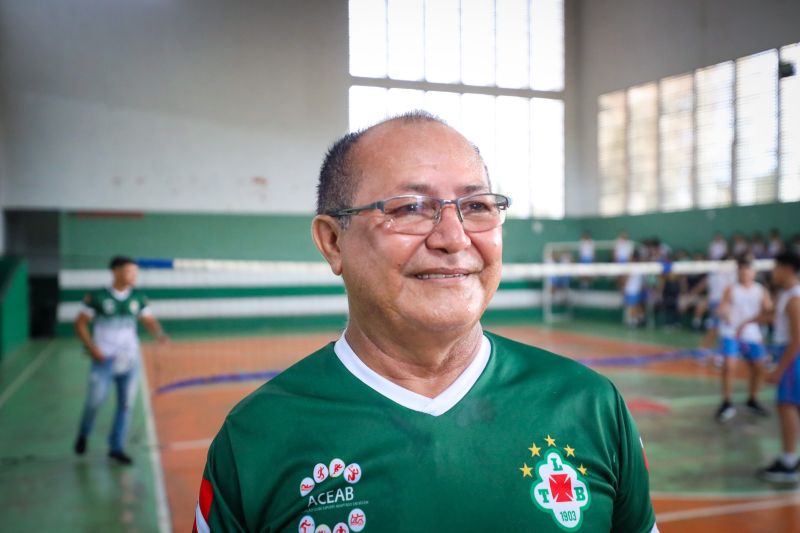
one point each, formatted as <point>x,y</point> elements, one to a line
<point>717,510</point>
<point>162,507</point>
<point>188,444</point>
<point>698,496</point>
<point>32,367</point>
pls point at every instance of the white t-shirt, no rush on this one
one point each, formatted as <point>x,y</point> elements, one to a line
<point>634,283</point>
<point>745,304</point>
<point>717,283</point>
<point>623,248</point>
<point>717,249</point>
<point>780,334</point>
<point>586,250</point>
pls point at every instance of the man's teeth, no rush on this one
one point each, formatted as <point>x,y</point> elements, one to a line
<point>440,276</point>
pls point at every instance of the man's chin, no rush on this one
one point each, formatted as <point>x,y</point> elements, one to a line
<point>456,318</point>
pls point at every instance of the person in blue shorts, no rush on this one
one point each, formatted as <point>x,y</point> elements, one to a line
<point>786,376</point>
<point>740,336</point>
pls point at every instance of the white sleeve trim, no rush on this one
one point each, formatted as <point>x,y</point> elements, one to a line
<point>86,310</point>
<point>655,529</point>
<point>146,311</point>
<point>202,525</point>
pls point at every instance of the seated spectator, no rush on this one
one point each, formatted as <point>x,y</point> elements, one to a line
<point>623,248</point>
<point>758,246</point>
<point>718,247</point>
<point>740,244</point>
<point>586,248</point>
<point>775,245</point>
<point>796,243</point>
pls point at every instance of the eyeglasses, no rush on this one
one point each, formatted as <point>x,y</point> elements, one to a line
<point>417,215</point>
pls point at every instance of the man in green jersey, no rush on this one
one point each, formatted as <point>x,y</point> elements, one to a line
<point>416,419</point>
<point>114,349</point>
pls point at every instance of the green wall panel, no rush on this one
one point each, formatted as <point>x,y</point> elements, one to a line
<point>14,310</point>
<point>87,241</point>
<point>694,229</point>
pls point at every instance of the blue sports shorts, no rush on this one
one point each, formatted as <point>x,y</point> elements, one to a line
<point>750,351</point>
<point>789,386</point>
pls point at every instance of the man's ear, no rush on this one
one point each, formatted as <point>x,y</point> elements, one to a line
<point>326,232</point>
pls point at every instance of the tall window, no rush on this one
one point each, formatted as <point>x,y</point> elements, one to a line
<point>757,128</point>
<point>714,135</point>
<point>726,134</point>
<point>612,150</point>
<point>676,137</point>
<point>642,148</point>
<point>494,69</point>
<point>789,188</point>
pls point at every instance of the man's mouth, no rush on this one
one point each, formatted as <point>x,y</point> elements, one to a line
<point>441,276</point>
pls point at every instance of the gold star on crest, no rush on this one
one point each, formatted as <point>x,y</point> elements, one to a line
<point>582,469</point>
<point>534,450</point>
<point>570,451</point>
<point>526,470</point>
<point>550,440</point>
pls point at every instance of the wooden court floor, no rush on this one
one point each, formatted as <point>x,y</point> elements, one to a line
<point>702,473</point>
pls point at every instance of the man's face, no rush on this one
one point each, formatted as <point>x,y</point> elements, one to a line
<point>393,278</point>
<point>126,274</point>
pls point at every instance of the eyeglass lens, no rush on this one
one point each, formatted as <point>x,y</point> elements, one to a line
<point>418,215</point>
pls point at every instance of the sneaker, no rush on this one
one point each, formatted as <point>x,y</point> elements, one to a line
<point>756,408</point>
<point>725,412</point>
<point>120,457</point>
<point>777,472</point>
<point>80,445</point>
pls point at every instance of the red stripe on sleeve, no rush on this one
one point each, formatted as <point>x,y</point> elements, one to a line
<point>206,497</point>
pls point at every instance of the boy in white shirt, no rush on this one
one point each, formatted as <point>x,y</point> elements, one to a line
<point>740,336</point>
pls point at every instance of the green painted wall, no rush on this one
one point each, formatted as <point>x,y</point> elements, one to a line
<point>694,229</point>
<point>89,241</point>
<point>14,314</point>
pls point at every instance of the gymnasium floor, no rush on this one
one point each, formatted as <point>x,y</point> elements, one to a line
<point>701,472</point>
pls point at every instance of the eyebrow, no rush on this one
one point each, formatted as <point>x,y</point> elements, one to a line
<point>424,188</point>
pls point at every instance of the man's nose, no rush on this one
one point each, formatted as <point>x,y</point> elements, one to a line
<point>449,234</point>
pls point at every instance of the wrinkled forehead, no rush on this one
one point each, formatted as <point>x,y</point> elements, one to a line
<point>399,152</point>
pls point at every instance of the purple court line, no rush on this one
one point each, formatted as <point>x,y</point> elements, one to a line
<point>638,360</point>
<point>217,378</point>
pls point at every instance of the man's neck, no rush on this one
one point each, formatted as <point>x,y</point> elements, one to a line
<point>120,287</point>
<point>423,363</point>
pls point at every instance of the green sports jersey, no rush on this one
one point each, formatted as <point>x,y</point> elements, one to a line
<point>537,443</point>
<point>115,315</point>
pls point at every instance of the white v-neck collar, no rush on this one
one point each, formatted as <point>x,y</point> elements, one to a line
<point>439,405</point>
<point>120,294</point>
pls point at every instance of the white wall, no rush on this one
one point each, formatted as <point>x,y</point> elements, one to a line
<point>625,42</point>
<point>172,105</point>
<point>2,183</point>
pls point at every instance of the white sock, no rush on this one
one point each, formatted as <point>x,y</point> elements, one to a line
<point>789,460</point>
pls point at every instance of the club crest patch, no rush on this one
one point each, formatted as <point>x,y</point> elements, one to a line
<point>109,306</point>
<point>557,486</point>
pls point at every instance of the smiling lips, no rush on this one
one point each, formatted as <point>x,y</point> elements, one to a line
<point>447,274</point>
